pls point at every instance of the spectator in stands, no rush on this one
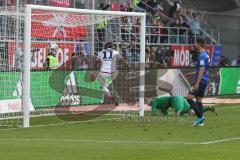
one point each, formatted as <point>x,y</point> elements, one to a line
<point>236,62</point>
<point>132,52</point>
<point>126,28</point>
<point>18,58</point>
<point>4,64</point>
<point>127,23</point>
<point>224,61</point>
<point>154,31</point>
<point>135,29</point>
<point>159,8</point>
<point>195,27</point>
<point>136,2</point>
<point>151,54</point>
<point>40,2</point>
<point>164,31</point>
<point>176,7</point>
<point>80,4</point>
<point>188,17</point>
<point>78,61</point>
<point>135,50</point>
<point>183,29</point>
<point>101,26</point>
<point>128,53</point>
<point>142,4</point>
<point>175,31</point>
<point>147,50</point>
<point>129,7</point>
<point>1,3</point>
<point>151,5</point>
<point>179,25</point>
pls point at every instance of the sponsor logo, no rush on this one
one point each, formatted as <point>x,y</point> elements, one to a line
<point>39,57</point>
<point>181,58</point>
<point>70,96</point>
<point>238,87</point>
<point>10,106</point>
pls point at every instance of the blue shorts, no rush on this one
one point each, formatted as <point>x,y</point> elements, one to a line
<point>201,90</point>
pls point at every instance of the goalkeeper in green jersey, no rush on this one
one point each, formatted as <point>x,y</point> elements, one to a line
<point>178,103</point>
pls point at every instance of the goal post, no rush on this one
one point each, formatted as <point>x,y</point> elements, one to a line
<point>27,67</point>
<point>28,45</point>
<point>142,66</point>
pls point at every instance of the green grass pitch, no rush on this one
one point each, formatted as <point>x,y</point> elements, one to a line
<point>219,139</point>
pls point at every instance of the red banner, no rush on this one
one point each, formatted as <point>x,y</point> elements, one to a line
<point>61,3</point>
<point>48,24</point>
<point>40,53</point>
<point>181,57</point>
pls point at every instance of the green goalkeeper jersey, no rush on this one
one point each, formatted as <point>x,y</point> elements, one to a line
<point>178,103</point>
<point>161,103</point>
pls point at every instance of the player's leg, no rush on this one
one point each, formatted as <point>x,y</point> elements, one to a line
<point>200,105</point>
<point>103,84</point>
<point>199,97</point>
<point>205,109</point>
<point>103,80</point>
<point>193,105</point>
<point>210,108</point>
<point>114,98</point>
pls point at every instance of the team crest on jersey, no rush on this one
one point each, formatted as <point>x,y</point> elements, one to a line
<point>202,62</point>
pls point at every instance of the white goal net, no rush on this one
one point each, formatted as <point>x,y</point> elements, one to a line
<point>51,63</point>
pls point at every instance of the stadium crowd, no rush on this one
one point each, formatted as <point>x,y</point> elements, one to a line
<point>167,22</point>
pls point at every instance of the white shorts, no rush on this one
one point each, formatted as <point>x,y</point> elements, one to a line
<point>105,79</point>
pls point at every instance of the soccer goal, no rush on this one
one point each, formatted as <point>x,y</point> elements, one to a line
<point>48,54</point>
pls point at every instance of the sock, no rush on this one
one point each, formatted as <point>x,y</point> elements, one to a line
<point>200,107</point>
<point>106,91</point>
<point>194,106</point>
<point>205,109</point>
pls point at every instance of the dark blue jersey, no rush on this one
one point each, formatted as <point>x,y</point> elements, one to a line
<point>203,61</point>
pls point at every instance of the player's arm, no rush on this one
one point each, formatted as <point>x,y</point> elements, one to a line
<point>96,64</point>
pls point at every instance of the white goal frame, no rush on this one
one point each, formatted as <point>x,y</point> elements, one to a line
<point>27,52</point>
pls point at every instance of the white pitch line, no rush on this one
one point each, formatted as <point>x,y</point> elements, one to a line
<point>63,123</point>
<point>222,140</point>
<point>233,107</point>
<point>119,141</point>
<point>74,122</point>
<point>104,141</point>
